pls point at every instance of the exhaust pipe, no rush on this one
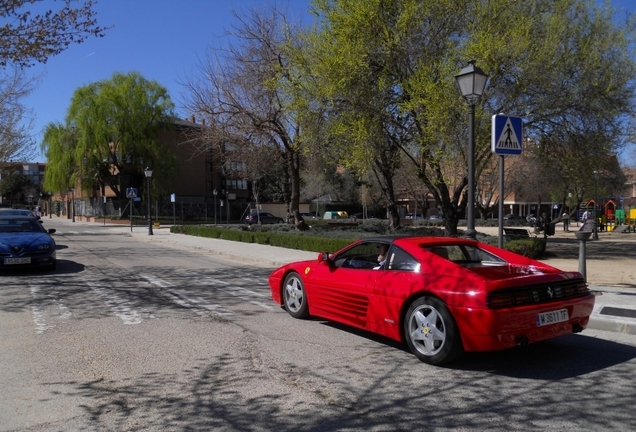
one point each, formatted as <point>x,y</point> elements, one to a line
<point>521,340</point>
<point>577,328</point>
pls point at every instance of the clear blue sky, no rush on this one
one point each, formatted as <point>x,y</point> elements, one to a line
<point>163,40</point>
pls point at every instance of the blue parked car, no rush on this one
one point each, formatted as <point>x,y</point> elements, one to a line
<point>24,242</point>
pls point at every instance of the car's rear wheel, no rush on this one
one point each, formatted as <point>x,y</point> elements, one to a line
<point>294,296</point>
<point>431,332</point>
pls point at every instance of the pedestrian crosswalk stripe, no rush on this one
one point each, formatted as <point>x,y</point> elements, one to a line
<point>119,306</point>
<point>39,313</point>
<point>185,299</point>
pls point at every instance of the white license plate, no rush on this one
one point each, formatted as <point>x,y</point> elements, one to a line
<point>553,317</point>
<point>26,260</point>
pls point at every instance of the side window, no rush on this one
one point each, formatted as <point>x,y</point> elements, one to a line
<point>481,256</point>
<point>362,256</point>
<point>400,260</point>
<point>455,253</point>
<point>450,252</point>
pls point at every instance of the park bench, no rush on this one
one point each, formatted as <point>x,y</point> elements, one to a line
<point>516,233</point>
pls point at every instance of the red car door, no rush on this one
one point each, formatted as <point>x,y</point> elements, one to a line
<point>398,280</point>
<point>342,294</point>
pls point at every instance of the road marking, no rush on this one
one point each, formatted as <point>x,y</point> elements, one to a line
<point>255,281</point>
<point>236,291</point>
<point>184,299</point>
<point>119,306</point>
<point>38,312</point>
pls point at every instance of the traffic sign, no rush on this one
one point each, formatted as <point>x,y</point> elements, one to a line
<point>131,192</point>
<point>506,135</point>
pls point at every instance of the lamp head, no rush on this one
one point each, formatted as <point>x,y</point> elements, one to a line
<point>471,82</point>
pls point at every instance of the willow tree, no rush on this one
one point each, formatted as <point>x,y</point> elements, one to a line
<point>111,130</point>
<point>59,143</point>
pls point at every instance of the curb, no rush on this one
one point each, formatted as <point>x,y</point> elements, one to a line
<point>611,324</point>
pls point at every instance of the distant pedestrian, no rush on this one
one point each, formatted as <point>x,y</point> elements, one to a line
<point>586,215</point>
<point>566,221</point>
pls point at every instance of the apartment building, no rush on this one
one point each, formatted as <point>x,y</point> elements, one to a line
<point>34,171</point>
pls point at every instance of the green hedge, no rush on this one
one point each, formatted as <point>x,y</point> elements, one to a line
<point>531,247</point>
<point>291,241</point>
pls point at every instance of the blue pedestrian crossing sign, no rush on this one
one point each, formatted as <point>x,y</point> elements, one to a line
<point>131,193</point>
<point>506,135</point>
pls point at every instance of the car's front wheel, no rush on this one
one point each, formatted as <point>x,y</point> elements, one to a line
<point>294,296</point>
<point>431,332</point>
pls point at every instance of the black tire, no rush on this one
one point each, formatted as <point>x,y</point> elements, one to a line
<point>295,296</point>
<point>431,332</point>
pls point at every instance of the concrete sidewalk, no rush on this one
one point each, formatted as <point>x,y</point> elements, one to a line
<point>615,308</point>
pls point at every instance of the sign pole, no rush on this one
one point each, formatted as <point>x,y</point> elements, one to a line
<point>173,199</point>
<point>507,139</point>
<point>131,207</point>
<point>501,203</point>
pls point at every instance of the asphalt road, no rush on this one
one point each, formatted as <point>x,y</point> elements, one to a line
<point>131,335</point>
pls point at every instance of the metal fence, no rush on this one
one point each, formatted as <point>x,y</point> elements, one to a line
<point>179,211</point>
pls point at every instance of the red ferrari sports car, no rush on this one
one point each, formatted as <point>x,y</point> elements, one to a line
<point>441,295</point>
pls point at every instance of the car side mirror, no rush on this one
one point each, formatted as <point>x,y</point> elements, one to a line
<point>51,230</point>
<point>323,257</point>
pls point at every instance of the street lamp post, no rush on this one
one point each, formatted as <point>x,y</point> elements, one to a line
<point>595,235</point>
<point>227,212</point>
<point>471,82</point>
<point>148,174</point>
<point>73,202</point>
<point>215,192</point>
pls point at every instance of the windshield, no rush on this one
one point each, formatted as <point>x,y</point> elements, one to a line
<point>19,225</point>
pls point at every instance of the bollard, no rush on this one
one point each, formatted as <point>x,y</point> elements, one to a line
<point>582,237</point>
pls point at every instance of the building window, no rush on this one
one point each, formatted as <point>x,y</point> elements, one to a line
<point>233,167</point>
<point>235,184</point>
